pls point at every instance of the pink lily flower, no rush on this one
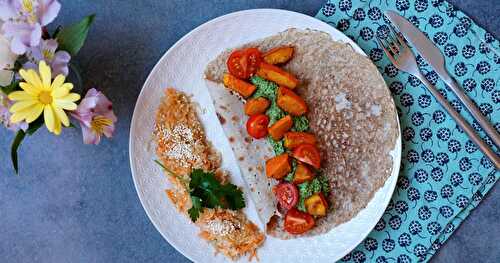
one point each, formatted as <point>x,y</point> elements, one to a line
<point>96,117</point>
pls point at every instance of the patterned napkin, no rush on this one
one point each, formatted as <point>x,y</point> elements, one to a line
<point>443,174</point>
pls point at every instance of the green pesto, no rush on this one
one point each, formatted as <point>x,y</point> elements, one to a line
<point>289,177</point>
<point>300,124</point>
<point>318,184</point>
<point>277,145</point>
<point>268,89</point>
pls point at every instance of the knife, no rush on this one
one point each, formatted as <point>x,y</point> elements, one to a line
<point>433,56</point>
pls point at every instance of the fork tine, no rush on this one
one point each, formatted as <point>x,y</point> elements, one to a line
<point>386,51</point>
<point>398,36</point>
<point>391,45</point>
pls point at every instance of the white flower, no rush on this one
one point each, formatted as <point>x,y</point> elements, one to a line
<point>7,59</point>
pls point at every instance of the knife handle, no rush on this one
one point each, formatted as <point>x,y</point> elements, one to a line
<point>474,111</point>
<point>464,125</point>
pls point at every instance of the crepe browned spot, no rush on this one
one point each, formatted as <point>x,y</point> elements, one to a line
<point>351,113</point>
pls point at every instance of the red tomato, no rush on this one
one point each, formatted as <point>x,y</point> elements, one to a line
<point>244,63</point>
<point>308,153</point>
<point>297,222</point>
<point>257,126</point>
<point>287,195</point>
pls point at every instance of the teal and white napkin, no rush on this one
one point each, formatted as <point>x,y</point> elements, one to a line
<point>443,174</point>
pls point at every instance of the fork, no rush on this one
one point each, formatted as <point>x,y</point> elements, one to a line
<point>400,54</point>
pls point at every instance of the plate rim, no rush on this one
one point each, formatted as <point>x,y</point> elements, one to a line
<point>354,45</point>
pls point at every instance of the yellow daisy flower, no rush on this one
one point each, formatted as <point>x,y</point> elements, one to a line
<point>41,94</point>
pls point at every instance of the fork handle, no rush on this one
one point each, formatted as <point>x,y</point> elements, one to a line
<point>475,112</point>
<point>464,125</point>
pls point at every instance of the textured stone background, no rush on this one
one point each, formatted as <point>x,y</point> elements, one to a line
<point>76,203</point>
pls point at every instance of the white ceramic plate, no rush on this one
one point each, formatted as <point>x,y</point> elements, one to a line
<point>182,67</point>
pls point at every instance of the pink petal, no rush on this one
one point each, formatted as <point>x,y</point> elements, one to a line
<point>36,35</point>
<point>48,11</point>
<point>90,137</point>
<point>109,130</point>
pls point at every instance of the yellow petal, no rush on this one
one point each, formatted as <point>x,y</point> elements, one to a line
<point>30,88</point>
<point>59,92</point>
<point>61,115</point>
<point>58,81</point>
<point>30,114</point>
<point>21,95</point>
<point>58,128</point>
<point>21,105</point>
<point>71,97</point>
<point>48,116</point>
<point>57,123</point>
<point>34,113</point>
<point>65,104</point>
<point>68,86</point>
<point>18,116</point>
<point>31,77</point>
<point>46,75</point>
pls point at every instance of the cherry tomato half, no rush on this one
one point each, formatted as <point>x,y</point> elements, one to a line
<point>244,63</point>
<point>286,194</point>
<point>257,126</point>
<point>297,222</point>
<point>308,153</point>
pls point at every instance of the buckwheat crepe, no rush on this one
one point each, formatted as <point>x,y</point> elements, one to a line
<point>351,113</point>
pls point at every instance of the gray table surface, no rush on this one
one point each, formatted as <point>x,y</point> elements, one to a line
<point>76,203</point>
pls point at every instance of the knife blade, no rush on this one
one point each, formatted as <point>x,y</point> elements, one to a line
<point>435,58</point>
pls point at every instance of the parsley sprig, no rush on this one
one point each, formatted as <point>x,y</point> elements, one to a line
<point>206,191</point>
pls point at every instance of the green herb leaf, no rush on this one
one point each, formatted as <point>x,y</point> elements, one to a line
<point>195,210</point>
<point>233,196</point>
<point>15,146</point>
<point>210,193</point>
<point>73,37</point>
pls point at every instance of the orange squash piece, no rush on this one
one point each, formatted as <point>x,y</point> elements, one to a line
<point>278,55</point>
<point>276,74</point>
<point>256,106</point>
<point>278,166</point>
<point>244,88</point>
<point>279,128</point>
<point>316,205</point>
<point>290,102</point>
<point>302,174</point>
<point>294,139</point>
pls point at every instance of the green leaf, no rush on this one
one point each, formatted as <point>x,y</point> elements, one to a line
<point>73,37</point>
<point>34,126</point>
<point>211,193</point>
<point>14,85</point>
<point>233,197</point>
<point>195,210</point>
<point>15,146</point>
